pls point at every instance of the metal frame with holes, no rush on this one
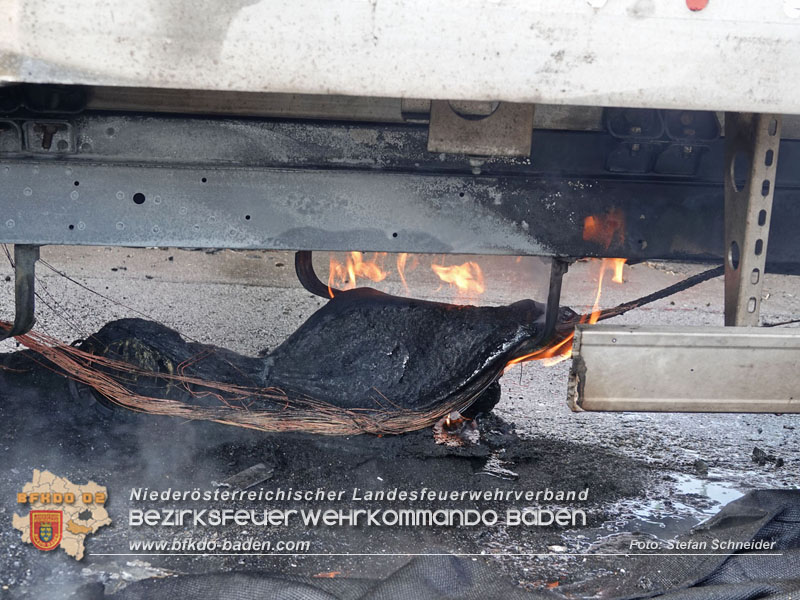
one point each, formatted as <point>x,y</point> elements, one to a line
<point>155,180</point>
<point>170,181</point>
<point>754,139</point>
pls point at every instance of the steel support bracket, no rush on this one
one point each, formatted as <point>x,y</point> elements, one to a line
<point>481,128</point>
<point>684,369</point>
<point>751,159</point>
<point>25,257</point>
<point>558,266</point>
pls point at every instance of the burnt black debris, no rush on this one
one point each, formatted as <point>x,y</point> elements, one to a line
<point>365,343</point>
<point>363,350</point>
<point>367,362</point>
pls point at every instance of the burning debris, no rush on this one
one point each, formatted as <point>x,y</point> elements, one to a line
<point>456,430</point>
<point>605,229</point>
<point>466,280</point>
<point>366,362</point>
<point>367,350</point>
<point>380,362</point>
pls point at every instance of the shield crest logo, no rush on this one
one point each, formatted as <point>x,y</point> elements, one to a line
<point>46,528</point>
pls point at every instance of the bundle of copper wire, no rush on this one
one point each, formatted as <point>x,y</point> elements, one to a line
<point>289,414</point>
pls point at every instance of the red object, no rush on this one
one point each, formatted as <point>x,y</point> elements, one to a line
<point>696,4</point>
<point>46,528</point>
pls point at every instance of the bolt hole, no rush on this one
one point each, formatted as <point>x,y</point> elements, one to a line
<point>461,194</point>
<point>762,217</point>
<point>765,188</point>
<point>740,170</point>
<point>755,276</point>
<point>733,255</point>
<point>71,227</point>
<point>394,234</point>
<point>110,131</point>
<point>751,305</point>
<point>76,183</point>
<point>247,217</point>
<point>204,180</point>
<point>139,198</point>
<point>759,247</point>
<point>770,156</point>
<point>773,126</point>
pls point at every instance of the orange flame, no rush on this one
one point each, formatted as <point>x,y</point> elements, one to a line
<point>603,229</point>
<point>551,355</point>
<point>594,316</point>
<point>562,349</point>
<point>402,259</point>
<point>401,268</point>
<point>467,278</point>
<point>618,264</point>
<point>346,276</point>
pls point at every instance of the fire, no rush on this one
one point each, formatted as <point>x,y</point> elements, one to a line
<point>618,264</point>
<point>467,277</point>
<point>604,229</point>
<point>346,276</point>
<point>402,259</point>
<point>562,350</point>
<point>551,355</point>
<point>401,268</point>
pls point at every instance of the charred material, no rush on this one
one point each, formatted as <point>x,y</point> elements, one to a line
<point>367,362</point>
<point>366,349</point>
<point>366,354</point>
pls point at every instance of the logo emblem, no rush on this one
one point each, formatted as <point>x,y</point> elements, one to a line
<point>46,528</point>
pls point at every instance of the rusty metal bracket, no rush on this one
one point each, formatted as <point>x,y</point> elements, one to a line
<point>751,159</point>
<point>481,128</point>
<point>25,258</point>
<point>49,137</point>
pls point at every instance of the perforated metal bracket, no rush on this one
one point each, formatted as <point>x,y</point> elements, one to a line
<point>751,159</point>
<point>25,258</point>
